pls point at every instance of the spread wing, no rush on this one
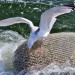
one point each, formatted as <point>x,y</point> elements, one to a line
<point>14,20</point>
<point>47,21</point>
<point>48,18</point>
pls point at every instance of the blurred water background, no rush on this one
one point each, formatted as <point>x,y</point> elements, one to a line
<point>13,36</point>
<point>32,9</point>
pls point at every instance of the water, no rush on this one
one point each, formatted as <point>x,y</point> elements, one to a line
<point>10,39</point>
<point>52,69</point>
<point>32,10</point>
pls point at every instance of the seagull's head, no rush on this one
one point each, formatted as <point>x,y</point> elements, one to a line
<point>33,38</point>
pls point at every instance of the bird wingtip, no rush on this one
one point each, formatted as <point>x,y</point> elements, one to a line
<point>72,5</point>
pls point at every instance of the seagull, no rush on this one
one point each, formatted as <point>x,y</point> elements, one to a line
<point>47,20</point>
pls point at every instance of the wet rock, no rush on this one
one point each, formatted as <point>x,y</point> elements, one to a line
<point>57,47</point>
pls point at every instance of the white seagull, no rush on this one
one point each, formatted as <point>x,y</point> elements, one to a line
<point>47,21</point>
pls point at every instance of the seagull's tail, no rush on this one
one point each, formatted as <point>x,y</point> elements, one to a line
<point>15,20</point>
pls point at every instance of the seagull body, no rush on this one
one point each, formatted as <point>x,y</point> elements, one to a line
<point>47,21</point>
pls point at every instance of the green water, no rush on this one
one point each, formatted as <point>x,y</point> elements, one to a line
<point>29,11</point>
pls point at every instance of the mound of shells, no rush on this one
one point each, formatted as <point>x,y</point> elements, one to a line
<point>57,47</point>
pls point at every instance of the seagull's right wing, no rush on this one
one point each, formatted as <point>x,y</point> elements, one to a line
<point>15,20</point>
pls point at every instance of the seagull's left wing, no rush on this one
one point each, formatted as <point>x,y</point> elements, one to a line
<point>48,18</point>
<point>47,21</point>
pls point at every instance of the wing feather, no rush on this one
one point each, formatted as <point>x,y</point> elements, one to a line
<point>47,21</point>
<point>48,18</point>
<point>15,20</point>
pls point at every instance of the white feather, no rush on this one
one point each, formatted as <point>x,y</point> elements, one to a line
<point>15,20</point>
<point>48,18</point>
<point>47,21</point>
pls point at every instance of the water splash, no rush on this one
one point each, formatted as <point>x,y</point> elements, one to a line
<point>9,41</point>
<point>52,69</point>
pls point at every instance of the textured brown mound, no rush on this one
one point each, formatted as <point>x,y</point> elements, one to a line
<point>58,47</point>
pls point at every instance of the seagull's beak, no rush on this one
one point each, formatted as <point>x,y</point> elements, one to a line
<point>71,5</point>
<point>29,49</point>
